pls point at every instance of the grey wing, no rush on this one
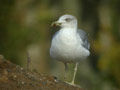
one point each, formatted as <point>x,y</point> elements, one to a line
<point>84,37</point>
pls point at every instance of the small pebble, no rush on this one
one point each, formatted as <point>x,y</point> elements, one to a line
<point>22,83</point>
<point>56,80</point>
<point>41,79</point>
<point>22,68</point>
<point>1,57</point>
<point>17,66</point>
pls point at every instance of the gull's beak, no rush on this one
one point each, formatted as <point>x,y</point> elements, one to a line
<point>56,23</point>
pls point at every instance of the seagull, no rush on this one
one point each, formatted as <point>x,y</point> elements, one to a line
<point>69,44</point>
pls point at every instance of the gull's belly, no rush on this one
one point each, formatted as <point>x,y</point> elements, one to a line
<point>68,50</point>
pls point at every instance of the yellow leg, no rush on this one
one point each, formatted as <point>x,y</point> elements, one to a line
<point>66,69</point>
<point>75,70</point>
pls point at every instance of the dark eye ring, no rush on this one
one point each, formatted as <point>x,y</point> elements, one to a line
<point>67,19</point>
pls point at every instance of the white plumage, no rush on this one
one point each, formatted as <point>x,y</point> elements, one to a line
<point>69,44</point>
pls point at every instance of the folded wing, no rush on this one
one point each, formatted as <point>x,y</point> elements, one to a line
<point>84,37</point>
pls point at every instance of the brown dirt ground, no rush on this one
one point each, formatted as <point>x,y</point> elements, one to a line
<point>14,77</point>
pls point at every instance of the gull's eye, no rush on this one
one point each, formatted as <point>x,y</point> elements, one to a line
<point>67,19</point>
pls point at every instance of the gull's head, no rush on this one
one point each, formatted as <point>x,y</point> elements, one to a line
<point>66,21</point>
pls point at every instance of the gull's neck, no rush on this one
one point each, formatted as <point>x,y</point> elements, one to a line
<point>71,26</point>
<point>68,32</point>
<point>69,29</point>
<point>68,35</point>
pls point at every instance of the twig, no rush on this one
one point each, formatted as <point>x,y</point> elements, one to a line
<point>28,60</point>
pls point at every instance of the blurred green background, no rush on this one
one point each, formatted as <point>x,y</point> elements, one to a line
<point>25,27</point>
